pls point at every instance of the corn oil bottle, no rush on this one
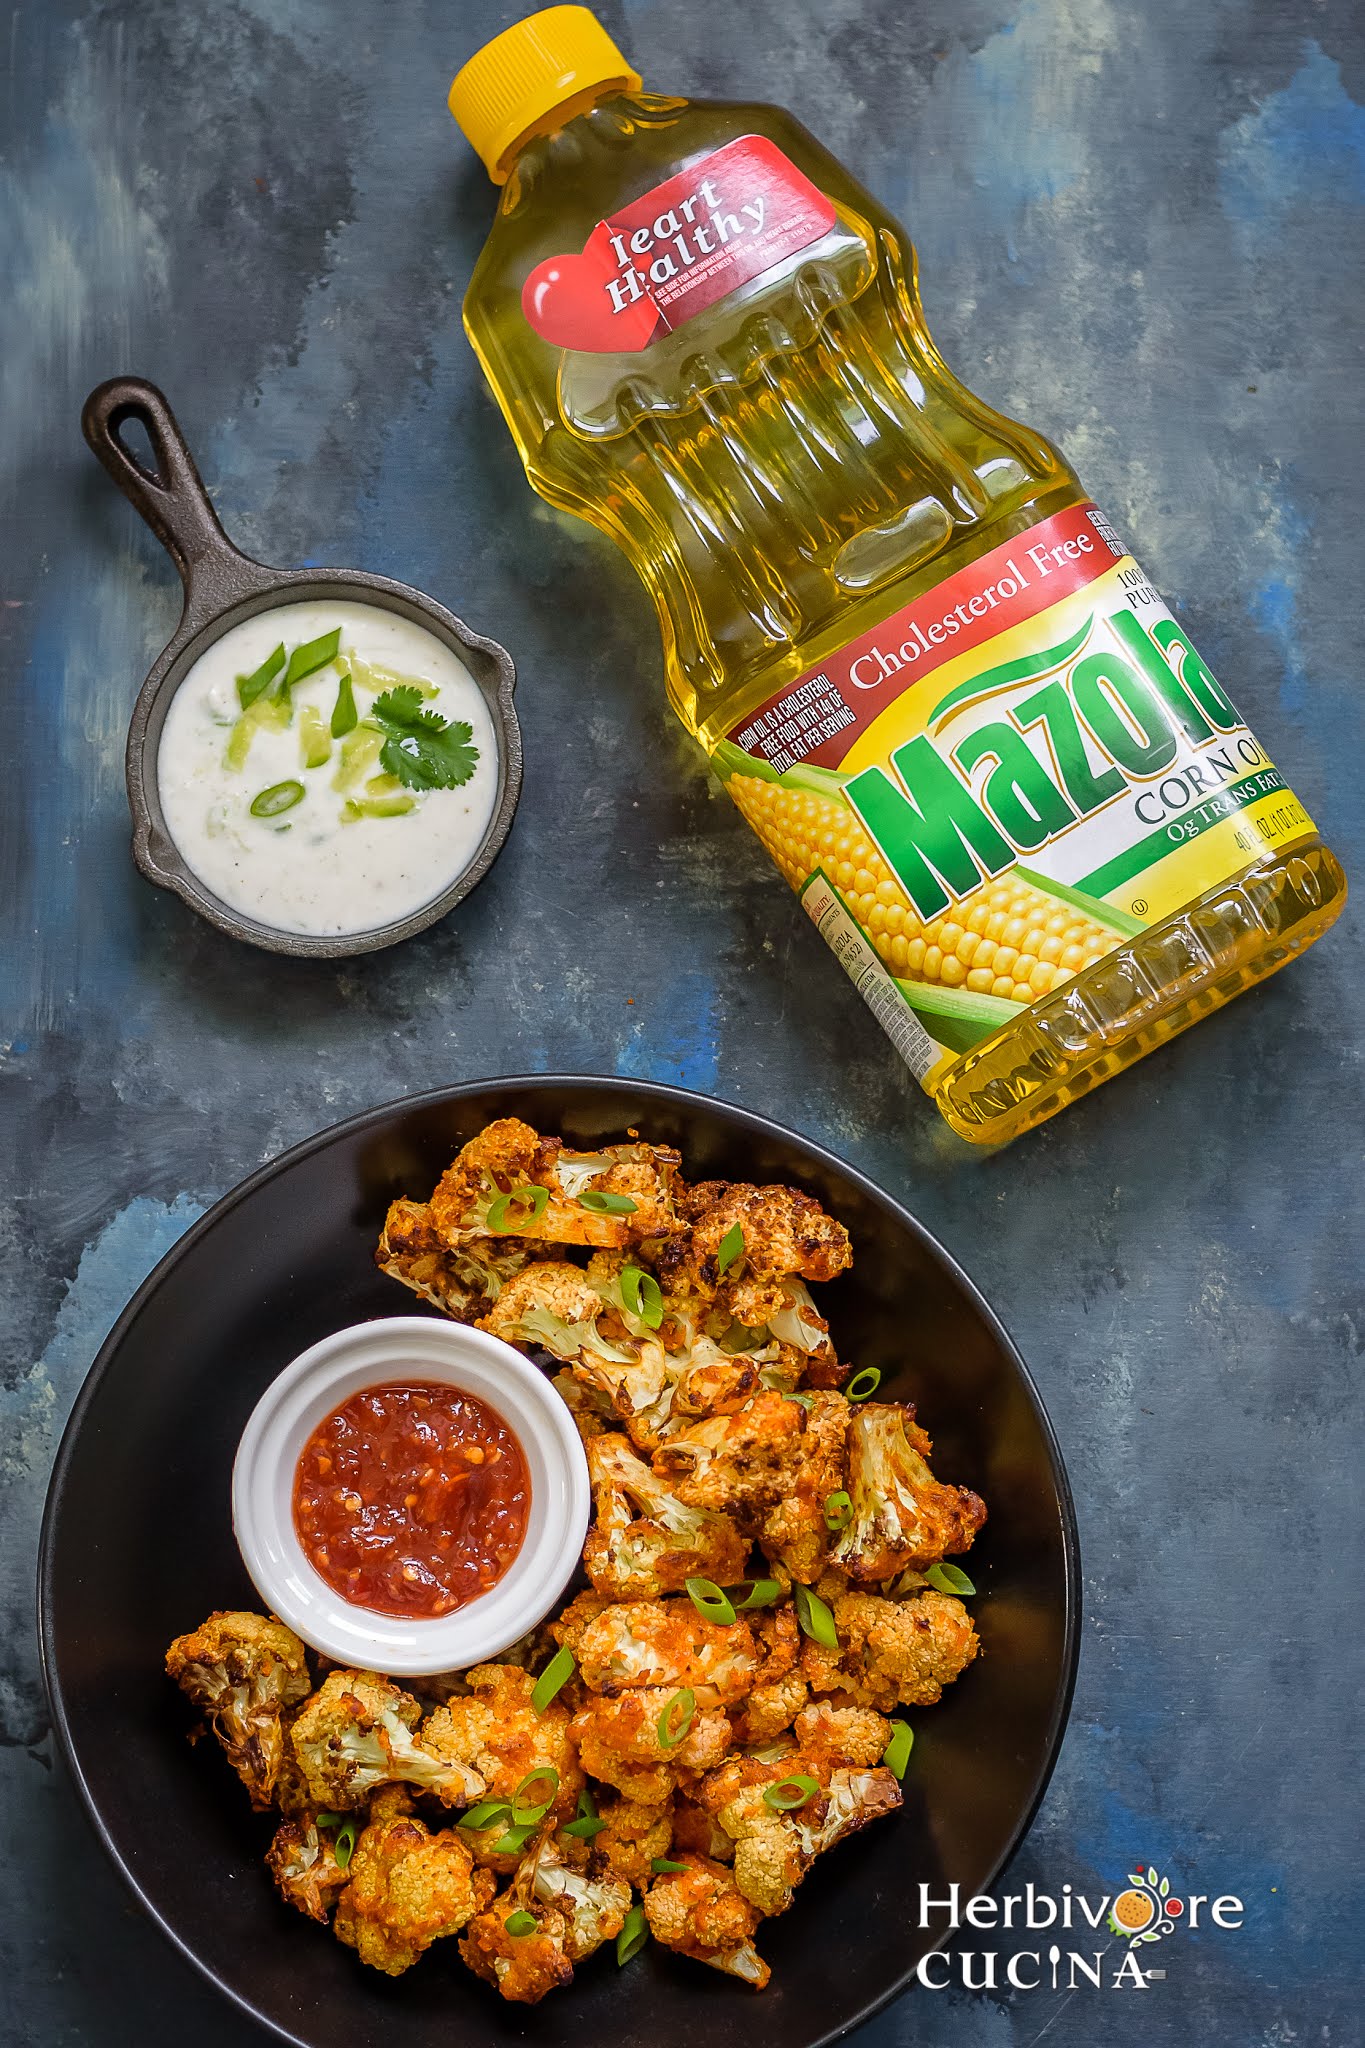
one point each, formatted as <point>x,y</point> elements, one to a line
<point>1005,786</point>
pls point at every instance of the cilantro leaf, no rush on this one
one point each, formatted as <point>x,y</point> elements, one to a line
<point>424,750</point>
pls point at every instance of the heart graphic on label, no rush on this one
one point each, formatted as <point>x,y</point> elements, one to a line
<point>566,300</point>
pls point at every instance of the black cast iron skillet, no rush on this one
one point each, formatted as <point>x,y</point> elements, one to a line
<point>222,588</point>
<point>137,1546</point>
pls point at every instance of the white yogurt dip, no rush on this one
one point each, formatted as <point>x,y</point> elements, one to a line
<point>359,848</point>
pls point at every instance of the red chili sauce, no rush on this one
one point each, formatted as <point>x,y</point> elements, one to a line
<point>411,1499</point>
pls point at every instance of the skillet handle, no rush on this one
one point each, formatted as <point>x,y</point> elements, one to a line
<point>171,498</point>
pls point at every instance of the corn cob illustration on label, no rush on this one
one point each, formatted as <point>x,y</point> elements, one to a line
<point>982,797</point>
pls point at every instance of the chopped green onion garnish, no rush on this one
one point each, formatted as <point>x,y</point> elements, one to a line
<point>281,796</point>
<point>709,1601</point>
<point>806,1401</point>
<point>586,1824</point>
<point>249,688</point>
<point>838,1510</point>
<point>757,1593</point>
<point>677,1717</point>
<point>633,1936</point>
<point>315,742</point>
<point>662,1867</point>
<point>896,1755</point>
<point>948,1579</point>
<point>532,1199</point>
<point>815,1618</point>
<point>308,659</point>
<point>640,1293</point>
<point>601,1203</point>
<point>731,1248</point>
<point>556,1675</point>
<point>515,1840</point>
<point>584,1830</point>
<point>345,1824</point>
<point>521,1923</point>
<point>489,1813</point>
<point>527,1805</point>
<point>345,717</point>
<point>790,1793</point>
<point>863,1383</point>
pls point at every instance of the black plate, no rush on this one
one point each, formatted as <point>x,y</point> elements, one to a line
<point>137,1547</point>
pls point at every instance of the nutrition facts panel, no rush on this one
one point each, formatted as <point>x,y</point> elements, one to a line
<point>823,906</point>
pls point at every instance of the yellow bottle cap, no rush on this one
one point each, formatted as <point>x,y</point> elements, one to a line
<point>559,60</point>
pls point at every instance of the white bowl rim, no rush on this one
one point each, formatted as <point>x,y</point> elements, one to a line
<point>387,1350</point>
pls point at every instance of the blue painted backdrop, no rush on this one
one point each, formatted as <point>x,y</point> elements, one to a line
<point>1141,228</point>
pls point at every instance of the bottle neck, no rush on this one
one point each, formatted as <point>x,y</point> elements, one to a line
<point>556,120</point>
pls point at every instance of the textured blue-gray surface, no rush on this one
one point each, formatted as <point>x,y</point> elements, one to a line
<point>1141,228</point>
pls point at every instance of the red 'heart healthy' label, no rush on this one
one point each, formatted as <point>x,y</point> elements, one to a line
<point>988,792</point>
<point>676,250</point>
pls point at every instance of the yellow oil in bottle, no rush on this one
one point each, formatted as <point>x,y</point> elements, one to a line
<point>1011,795</point>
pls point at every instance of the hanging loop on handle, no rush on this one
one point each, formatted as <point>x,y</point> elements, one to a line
<point>170,497</point>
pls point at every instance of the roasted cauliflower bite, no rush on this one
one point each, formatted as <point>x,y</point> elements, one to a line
<point>828,1736</point>
<point>700,1912</point>
<point>619,1742</point>
<point>496,1733</point>
<point>509,1154</point>
<point>553,1307</point>
<point>245,1670</point>
<point>794,1532</point>
<point>463,1281</point>
<point>779,1691</point>
<point>903,1518</point>
<point>645,1540</point>
<point>595,1904</point>
<point>657,1379</point>
<point>839,1748</point>
<point>891,1652</point>
<point>408,1887</point>
<point>645,1173</point>
<point>824,1739</point>
<point>356,1733</point>
<point>784,1232</point>
<point>505,1154</point>
<point>633,1835</point>
<point>548,1304</point>
<point>781,1310</point>
<point>302,1860</point>
<point>773,1851</point>
<point>742,1463</point>
<point>662,1392</point>
<point>652,1643</point>
<point>522,1968</point>
<point>572,1913</point>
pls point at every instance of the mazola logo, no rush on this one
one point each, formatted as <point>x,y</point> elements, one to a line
<point>1144,1911</point>
<point>1137,699</point>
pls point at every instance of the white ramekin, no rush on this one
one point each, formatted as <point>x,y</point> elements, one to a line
<point>368,1355</point>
